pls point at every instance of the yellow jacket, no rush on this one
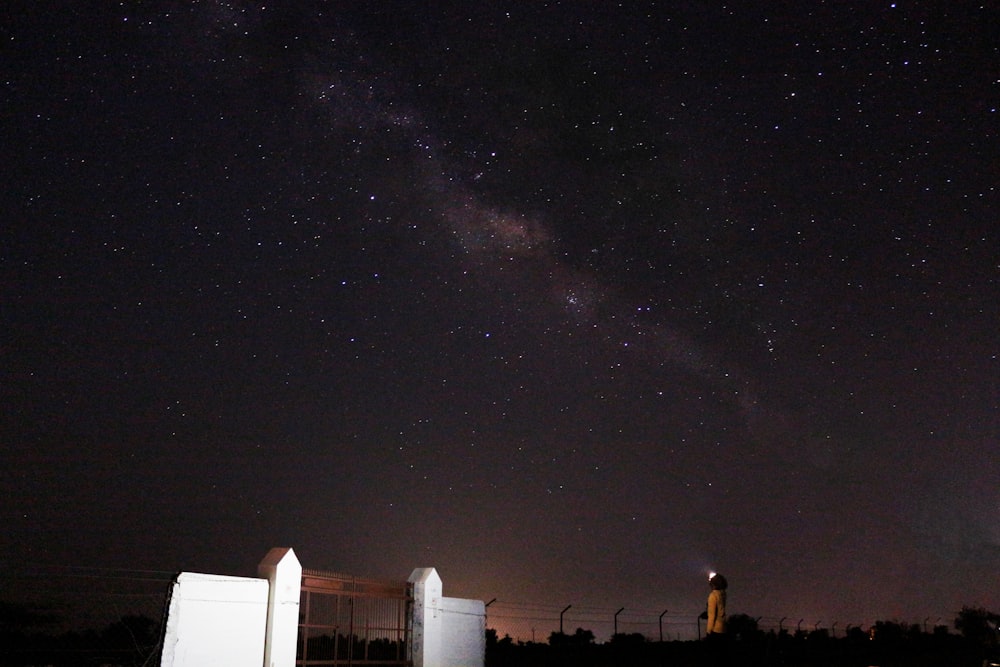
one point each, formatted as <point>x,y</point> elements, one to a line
<point>716,612</point>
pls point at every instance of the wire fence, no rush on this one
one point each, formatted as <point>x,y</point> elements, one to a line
<point>72,615</point>
<point>536,622</point>
<point>73,598</point>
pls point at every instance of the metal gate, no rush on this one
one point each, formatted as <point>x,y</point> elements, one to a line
<point>345,620</point>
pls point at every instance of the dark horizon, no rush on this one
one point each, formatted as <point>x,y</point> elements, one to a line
<point>33,633</point>
<point>29,637</point>
<point>78,598</point>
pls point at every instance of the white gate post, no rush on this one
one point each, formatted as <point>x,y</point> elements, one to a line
<point>284,573</point>
<point>427,622</point>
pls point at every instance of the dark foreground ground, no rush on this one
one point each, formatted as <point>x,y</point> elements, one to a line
<point>949,651</point>
<point>134,641</point>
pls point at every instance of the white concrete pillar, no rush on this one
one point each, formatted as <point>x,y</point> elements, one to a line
<point>427,621</point>
<point>284,573</point>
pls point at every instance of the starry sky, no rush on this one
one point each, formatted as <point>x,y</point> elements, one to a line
<point>573,301</point>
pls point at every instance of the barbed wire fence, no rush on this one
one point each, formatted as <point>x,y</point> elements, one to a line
<point>525,622</point>
<point>81,615</point>
<point>86,597</point>
<point>536,622</point>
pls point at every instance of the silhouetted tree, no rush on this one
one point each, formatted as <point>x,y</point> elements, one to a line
<point>17,617</point>
<point>579,638</point>
<point>138,633</point>
<point>818,635</point>
<point>129,642</point>
<point>888,632</point>
<point>855,634</point>
<point>499,651</point>
<point>742,626</point>
<point>978,625</point>
<point>631,639</point>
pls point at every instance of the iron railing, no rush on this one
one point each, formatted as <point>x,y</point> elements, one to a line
<point>346,620</point>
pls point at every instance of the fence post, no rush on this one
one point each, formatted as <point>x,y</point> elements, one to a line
<point>283,572</point>
<point>427,622</point>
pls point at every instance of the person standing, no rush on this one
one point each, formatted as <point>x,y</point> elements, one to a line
<point>716,606</point>
<point>717,649</point>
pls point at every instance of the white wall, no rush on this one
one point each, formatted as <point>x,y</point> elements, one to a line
<point>215,620</point>
<point>447,632</point>
<point>220,621</point>
<point>463,633</point>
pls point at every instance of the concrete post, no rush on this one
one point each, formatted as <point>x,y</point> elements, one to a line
<point>427,619</point>
<point>284,573</point>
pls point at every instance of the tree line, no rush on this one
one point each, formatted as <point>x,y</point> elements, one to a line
<point>29,637</point>
<point>886,643</point>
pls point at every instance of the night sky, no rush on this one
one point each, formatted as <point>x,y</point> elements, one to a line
<point>569,300</point>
